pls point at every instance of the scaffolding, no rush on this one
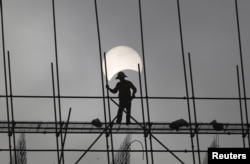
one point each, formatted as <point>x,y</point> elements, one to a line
<point>148,129</point>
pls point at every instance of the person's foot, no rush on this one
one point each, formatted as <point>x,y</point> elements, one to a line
<point>127,123</point>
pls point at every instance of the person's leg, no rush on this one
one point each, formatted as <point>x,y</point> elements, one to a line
<point>119,115</point>
<point>120,112</point>
<point>128,107</point>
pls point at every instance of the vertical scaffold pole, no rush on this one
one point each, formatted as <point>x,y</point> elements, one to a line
<point>145,79</point>
<point>240,103</point>
<point>5,80</point>
<point>185,78</point>
<point>55,113</point>
<point>102,82</point>
<point>143,115</point>
<point>12,110</point>
<point>111,135</point>
<point>194,106</point>
<point>242,69</point>
<point>57,75</point>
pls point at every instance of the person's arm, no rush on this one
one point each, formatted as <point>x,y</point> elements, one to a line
<point>133,89</point>
<point>112,90</point>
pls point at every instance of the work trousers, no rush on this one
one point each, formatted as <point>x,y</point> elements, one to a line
<point>124,105</point>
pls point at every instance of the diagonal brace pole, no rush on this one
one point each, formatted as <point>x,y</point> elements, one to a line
<point>65,134</point>
<point>149,132</point>
<point>107,127</point>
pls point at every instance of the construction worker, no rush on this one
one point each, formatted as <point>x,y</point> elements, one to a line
<point>124,87</point>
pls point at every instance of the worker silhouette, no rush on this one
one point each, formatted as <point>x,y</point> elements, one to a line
<point>124,87</point>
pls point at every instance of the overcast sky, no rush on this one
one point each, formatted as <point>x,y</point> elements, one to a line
<point>209,34</point>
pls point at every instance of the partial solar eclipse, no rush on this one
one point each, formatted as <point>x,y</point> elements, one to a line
<point>121,58</point>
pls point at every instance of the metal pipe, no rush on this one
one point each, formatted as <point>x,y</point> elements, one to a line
<point>143,115</point>
<point>145,77</point>
<point>111,136</point>
<point>65,134</point>
<point>110,124</point>
<point>241,112</point>
<point>102,81</point>
<point>57,74</point>
<point>144,128</point>
<point>5,80</point>
<point>185,76</point>
<point>55,113</point>
<point>138,97</point>
<point>103,150</point>
<point>194,106</point>
<point>12,110</point>
<point>242,68</point>
<point>170,151</point>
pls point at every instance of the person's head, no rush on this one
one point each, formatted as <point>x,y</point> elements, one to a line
<point>121,75</point>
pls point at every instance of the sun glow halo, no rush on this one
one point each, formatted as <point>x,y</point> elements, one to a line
<point>121,58</point>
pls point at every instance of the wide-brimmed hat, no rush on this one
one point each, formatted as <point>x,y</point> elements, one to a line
<point>120,75</point>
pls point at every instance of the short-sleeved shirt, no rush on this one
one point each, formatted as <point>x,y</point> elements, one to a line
<point>124,90</point>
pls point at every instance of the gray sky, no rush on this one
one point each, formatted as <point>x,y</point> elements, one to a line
<point>209,34</point>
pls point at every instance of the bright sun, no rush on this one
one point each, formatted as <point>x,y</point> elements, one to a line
<point>121,58</point>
